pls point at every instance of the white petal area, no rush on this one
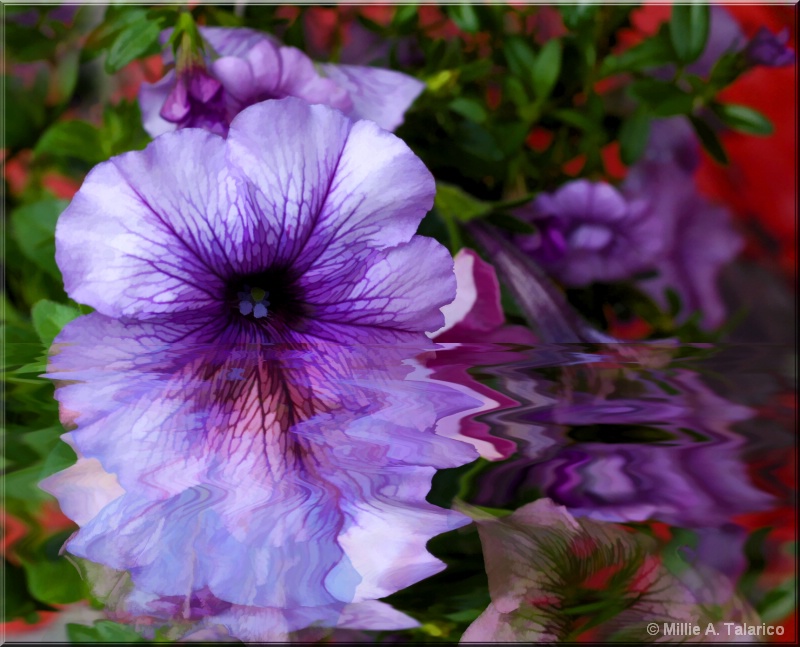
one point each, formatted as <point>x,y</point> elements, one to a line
<point>466,292</point>
<point>402,532</point>
<point>373,615</point>
<point>84,489</point>
<point>153,232</point>
<point>151,99</point>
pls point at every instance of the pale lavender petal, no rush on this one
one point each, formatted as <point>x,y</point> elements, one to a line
<point>591,237</point>
<point>266,65</point>
<point>330,219</point>
<point>382,96</point>
<point>83,489</point>
<point>376,616</point>
<point>152,97</point>
<point>138,242</point>
<point>236,75</point>
<point>233,42</point>
<point>300,78</point>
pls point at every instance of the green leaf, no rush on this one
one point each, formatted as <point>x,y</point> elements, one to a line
<point>53,579</point>
<point>469,108</point>
<point>511,224</point>
<point>405,14</point>
<point>475,70</point>
<point>478,141</point>
<point>24,110</point>
<point>726,69</point>
<point>465,17</point>
<point>662,99</point>
<point>117,19</point>
<point>78,139</point>
<point>709,140</point>
<point>574,118</point>
<point>546,69</point>
<point>516,92</point>
<point>688,30</point>
<point>134,41</point>
<point>103,631</point>
<point>744,119</point>
<point>50,317</point>
<point>33,227</point>
<point>520,56</point>
<point>633,137</point>
<point>60,458</point>
<point>650,53</point>
<point>578,14</point>
<point>453,203</point>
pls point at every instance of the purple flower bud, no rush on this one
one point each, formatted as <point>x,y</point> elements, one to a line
<point>244,67</point>
<point>770,50</point>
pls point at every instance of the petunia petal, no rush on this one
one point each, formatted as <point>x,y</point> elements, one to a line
<point>152,232</point>
<point>382,96</point>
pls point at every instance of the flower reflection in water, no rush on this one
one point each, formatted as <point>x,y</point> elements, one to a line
<point>556,578</point>
<point>626,434</point>
<point>623,438</point>
<point>260,488</point>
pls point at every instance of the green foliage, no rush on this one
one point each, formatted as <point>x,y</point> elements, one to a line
<point>546,70</point>
<point>103,631</point>
<point>128,33</point>
<point>743,119</point>
<point>453,203</point>
<point>33,229</point>
<point>72,139</point>
<point>709,139</point>
<point>649,54</point>
<point>50,317</point>
<point>633,136</point>
<point>688,30</point>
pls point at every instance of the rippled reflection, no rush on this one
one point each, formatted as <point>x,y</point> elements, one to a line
<point>252,491</point>
<point>255,489</point>
<point>621,433</point>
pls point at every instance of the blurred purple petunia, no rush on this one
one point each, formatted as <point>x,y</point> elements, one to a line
<point>249,407</point>
<point>699,237</point>
<point>243,67</point>
<point>589,231</point>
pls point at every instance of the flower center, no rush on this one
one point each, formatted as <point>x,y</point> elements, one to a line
<point>271,299</point>
<point>253,301</point>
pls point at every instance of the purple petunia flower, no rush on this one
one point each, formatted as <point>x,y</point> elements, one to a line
<point>251,419</point>
<point>698,236</point>
<point>589,231</point>
<point>243,67</point>
<point>771,50</point>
